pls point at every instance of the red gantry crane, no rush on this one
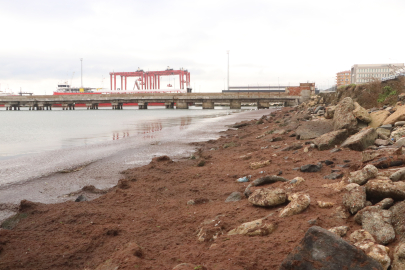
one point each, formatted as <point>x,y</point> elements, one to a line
<point>149,80</point>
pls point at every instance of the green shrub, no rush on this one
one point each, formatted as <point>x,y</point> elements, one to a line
<point>387,92</point>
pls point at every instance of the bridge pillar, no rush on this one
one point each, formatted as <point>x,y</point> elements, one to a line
<point>235,104</point>
<point>263,104</point>
<point>181,105</point>
<point>142,105</point>
<point>208,104</point>
<point>169,105</point>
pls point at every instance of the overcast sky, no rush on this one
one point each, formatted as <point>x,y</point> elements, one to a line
<point>271,42</point>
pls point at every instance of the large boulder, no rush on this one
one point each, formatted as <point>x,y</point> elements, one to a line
<point>361,140</point>
<point>369,155</point>
<point>378,118</point>
<point>398,262</point>
<point>398,115</point>
<point>268,197</point>
<point>361,114</point>
<point>381,189</point>
<point>323,250</point>
<point>343,117</point>
<point>313,129</point>
<point>329,140</point>
<point>375,251</point>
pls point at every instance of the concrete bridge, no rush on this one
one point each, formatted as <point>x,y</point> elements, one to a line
<point>118,101</point>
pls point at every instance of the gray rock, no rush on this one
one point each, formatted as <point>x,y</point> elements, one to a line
<point>329,140</point>
<point>361,140</point>
<point>378,222</point>
<point>234,197</point>
<point>313,129</point>
<point>383,133</point>
<point>320,112</point>
<point>294,146</point>
<point>311,168</point>
<point>398,219</point>
<point>269,179</point>
<point>318,109</point>
<point>384,204</point>
<point>355,200</point>
<point>397,134</point>
<point>343,117</point>
<point>81,198</point>
<point>335,150</point>
<point>324,250</point>
<point>333,176</point>
<point>388,126</point>
<point>399,123</point>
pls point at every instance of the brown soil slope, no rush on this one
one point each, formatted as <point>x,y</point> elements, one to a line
<point>145,222</point>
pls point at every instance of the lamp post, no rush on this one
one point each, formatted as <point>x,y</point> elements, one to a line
<point>81,72</point>
<point>228,67</point>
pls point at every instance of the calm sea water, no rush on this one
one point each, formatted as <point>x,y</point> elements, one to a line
<point>36,146</point>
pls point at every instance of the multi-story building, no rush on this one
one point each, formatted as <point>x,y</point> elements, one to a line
<point>343,78</point>
<point>367,73</point>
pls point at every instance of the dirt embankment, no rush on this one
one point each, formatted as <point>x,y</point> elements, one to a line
<point>168,213</point>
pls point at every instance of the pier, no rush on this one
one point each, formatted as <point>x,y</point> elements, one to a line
<point>170,100</point>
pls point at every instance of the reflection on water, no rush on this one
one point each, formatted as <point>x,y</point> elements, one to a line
<point>27,132</point>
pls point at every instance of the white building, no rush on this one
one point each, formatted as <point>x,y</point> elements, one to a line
<point>366,73</point>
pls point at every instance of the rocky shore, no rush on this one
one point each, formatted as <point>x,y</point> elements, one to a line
<point>309,187</point>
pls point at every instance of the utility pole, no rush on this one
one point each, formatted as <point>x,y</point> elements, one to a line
<point>81,71</point>
<point>228,68</point>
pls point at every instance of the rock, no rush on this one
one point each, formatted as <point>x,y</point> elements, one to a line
<point>355,200</point>
<point>254,228</point>
<point>333,176</point>
<point>398,115</point>
<point>311,168</point>
<point>268,197</point>
<point>335,150</point>
<point>377,118</point>
<point>398,262</point>
<point>380,142</point>
<point>322,204</point>
<point>313,129</point>
<point>398,175</point>
<point>280,131</point>
<point>329,162</point>
<point>298,203</point>
<point>321,249</point>
<point>275,139</point>
<point>375,251</point>
<point>329,140</point>
<point>388,127</point>
<point>269,179</point>
<point>318,109</point>
<point>400,142</point>
<point>260,164</point>
<point>381,189</point>
<point>397,134</point>
<point>243,179</point>
<point>234,197</point>
<point>368,155</point>
<point>294,146</point>
<point>384,204</point>
<point>399,123</point>
<point>341,230</point>
<point>296,181</point>
<point>361,140</point>
<point>383,133</point>
<point>398,219</point>
<point>344,118</point>
<point>188,266</point>
<point>81,198</point>
<point>209,230</point>
<point>246,157</point>
<point>360,235</point>
<point>362,176</point>
<point>378,223</point>
<point>361,113</point>
<point>330,112</point>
